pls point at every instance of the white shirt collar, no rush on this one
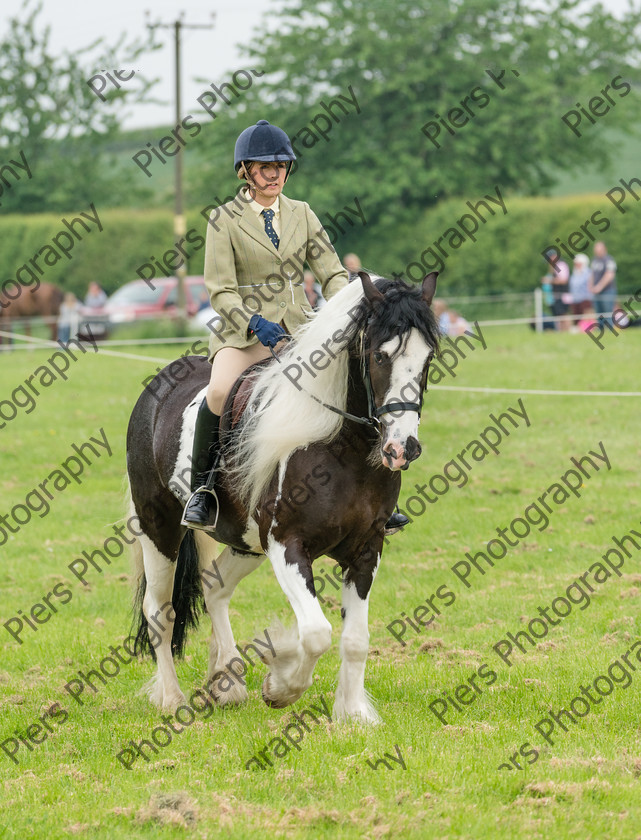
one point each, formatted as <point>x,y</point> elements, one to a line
<point>258,208</point>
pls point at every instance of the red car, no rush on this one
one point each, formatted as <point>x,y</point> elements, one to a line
<point>137,301</point>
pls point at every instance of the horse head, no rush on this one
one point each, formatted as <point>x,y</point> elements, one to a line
<point>399,338</point>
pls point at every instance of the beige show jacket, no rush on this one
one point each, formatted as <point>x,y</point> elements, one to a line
<point>245,274</point>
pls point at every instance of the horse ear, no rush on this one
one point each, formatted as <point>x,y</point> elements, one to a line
<point>371,292</point>
<point>429,287</point>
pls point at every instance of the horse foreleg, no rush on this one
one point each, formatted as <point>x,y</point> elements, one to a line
<point>352,700</point>
<point>220,577</point>
<point>298,650</point>
<point>164,689</point>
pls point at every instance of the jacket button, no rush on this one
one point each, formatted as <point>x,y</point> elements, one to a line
<point>282,305</point>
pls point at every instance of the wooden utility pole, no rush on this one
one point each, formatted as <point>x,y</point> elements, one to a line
<point>180,226</point>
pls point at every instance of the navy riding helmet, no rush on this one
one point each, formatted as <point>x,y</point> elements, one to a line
<point>263,142</point>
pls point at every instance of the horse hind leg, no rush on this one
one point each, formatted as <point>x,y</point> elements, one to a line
<point>158,582</point>
<point>219,578</point>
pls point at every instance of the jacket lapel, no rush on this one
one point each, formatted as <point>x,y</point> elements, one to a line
<point>250,223</point>
<point>288,223</point>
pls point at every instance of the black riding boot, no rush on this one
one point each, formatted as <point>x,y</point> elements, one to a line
<point>199,512</point>
<point>396,521</point>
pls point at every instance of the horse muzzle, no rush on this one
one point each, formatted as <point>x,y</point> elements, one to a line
<point>398,456</point>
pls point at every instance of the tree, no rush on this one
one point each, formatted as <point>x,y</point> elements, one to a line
<point>487,80</point>
<point>50,115</point>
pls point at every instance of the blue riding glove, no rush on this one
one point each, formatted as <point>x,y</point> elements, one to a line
<point>267,332</point>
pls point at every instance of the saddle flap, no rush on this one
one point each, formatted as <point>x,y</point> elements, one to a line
<point>238,397</point>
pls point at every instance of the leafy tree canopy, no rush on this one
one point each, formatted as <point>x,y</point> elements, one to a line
<point>49,113</point>
<point>407,62</point>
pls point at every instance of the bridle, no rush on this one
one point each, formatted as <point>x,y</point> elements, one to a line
<point>373,413</point>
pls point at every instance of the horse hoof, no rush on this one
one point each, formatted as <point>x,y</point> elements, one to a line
<point>270,701</point>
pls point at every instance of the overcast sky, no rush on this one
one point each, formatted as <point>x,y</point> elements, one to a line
<point>209,54</point>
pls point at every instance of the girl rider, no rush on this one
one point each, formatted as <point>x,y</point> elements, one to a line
<point>247,243</point>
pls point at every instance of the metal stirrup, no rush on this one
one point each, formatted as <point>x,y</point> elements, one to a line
<point>205,488</point>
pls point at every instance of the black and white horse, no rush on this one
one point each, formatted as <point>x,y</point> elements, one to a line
<point>298,480</point>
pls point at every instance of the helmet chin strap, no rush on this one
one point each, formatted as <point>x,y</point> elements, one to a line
<point>244,172</point>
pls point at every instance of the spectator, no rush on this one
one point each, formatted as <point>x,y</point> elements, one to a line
<point>352,263</point>
<point>203,301</point>
<point>68,318</point>
<point>560,287</point>
<point>313,291</point>
<point>548,300</point>
<point>603,281</point>
<point>580,288</point>
<point>546,288</point>
<point>449,321</point>
<point>439,308</point>
<point>458,324</point>
<point>95,297</point>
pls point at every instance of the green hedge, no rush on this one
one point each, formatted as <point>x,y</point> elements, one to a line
<point>507,253</point>
<point>128,239</point>
<point>505,257</point>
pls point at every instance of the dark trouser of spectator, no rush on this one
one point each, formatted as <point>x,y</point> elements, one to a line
<point>64,332</point>
<point>604,302</point>
<point>559,309</point>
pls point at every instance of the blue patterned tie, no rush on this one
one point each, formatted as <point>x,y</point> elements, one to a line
<point>269,230</point>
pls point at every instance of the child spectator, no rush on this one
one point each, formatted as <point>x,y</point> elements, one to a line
<point>68,318</point>
<point>579,287</point>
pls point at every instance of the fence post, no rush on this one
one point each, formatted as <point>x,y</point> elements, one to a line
<point>538,309</point>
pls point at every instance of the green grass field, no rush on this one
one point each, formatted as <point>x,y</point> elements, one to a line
<point>584,785</point>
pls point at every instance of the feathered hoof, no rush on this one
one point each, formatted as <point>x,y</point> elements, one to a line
<point>161,698</point>
<point>272,702</point>
<point>234,697</point>
<point>363,714</point>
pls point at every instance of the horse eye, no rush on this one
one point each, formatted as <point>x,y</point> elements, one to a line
<point>379,357</point>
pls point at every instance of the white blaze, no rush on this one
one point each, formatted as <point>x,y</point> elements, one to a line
<point>404,386</point>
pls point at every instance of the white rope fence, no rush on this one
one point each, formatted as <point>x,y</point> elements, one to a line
<point>42,343</point>
<point>538,320</point>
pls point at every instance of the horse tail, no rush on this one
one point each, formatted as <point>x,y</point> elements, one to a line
<point>142,643</point>
<point>187,598</point>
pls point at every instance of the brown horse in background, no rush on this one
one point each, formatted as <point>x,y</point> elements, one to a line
<point>43,302</point>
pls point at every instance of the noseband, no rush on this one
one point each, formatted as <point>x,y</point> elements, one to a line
<point>374,412</point>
